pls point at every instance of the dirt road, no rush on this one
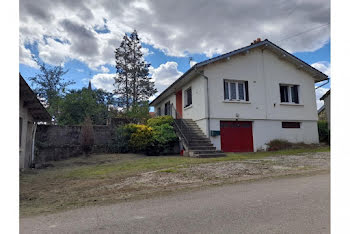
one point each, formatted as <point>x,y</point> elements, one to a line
<point>284,205</point>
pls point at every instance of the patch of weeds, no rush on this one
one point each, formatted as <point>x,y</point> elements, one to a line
<point>169,170</point>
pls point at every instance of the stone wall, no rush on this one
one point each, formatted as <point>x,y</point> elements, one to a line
<point>54,142</point>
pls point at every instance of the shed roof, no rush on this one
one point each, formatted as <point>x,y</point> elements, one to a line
<point>31,102</point>
<point>318,75</point>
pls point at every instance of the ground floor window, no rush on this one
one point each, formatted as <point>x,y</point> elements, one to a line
<point>289,93</point>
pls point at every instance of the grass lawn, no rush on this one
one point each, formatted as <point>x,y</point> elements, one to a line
<point>76,182</point>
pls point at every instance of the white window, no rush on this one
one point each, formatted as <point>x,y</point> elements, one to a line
<point>289,93</point>
<point>236,90</point>
<point>188,97</point>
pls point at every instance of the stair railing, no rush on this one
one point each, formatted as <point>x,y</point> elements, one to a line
<point>180,124</point>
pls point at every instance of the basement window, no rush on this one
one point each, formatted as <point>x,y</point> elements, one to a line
<point>290,124</point>
<point>289,93</point>
<point>188,97</point>
<point>236,90</point>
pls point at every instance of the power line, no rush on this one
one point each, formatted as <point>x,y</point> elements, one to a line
<point>298,34</point>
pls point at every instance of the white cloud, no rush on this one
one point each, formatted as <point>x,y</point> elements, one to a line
<point>164,75</point>
<point>323,66</point>
<point>104,69</point>
<point>103,81</point>
<point>192,62</point>
<point>173,27</point>
<point>25,57</point>
<point>319,93</point>
<point>146,52</point>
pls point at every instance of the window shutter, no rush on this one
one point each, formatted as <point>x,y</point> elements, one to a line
<point>226,90</point>
<point>246,91</point>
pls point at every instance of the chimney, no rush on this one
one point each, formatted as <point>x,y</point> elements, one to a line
<point>256,41</point>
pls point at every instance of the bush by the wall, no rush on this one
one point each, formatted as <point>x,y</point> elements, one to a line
<point>157,121</point>
<point>323,131</point>
<point>141,138</point>
<point>278,144</point>
<point>155,138</point>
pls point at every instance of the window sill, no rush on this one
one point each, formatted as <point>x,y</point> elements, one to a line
<point>188,107</point>
<point>290,104</point>
<point>234,101</point>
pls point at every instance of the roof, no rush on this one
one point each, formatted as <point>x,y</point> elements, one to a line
<point>326,95</point>
<point>318,75</point>
<point>31,102</point>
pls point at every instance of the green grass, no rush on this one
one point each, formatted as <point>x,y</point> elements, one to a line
<point>135,165</point>
<point>74,182</point>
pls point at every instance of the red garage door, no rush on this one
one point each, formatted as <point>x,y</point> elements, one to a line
<point>236,136</point>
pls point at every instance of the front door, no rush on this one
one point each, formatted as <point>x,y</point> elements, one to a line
<point>179,103</point>
<point>236,136</point>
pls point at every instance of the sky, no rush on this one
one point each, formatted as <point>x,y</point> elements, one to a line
<point>82,35</point>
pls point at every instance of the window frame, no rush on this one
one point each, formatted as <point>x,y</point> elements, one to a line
<point>290,91</point>
<point>167,109</point>
<point>186,97</point>
<point>237,93</point>
<point>291,124</point>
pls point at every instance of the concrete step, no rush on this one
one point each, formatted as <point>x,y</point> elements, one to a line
<point>210,155</point>
<point>202,148</point>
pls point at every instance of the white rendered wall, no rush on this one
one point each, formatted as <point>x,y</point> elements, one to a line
<point>197,111</point>
<point>264,72</point>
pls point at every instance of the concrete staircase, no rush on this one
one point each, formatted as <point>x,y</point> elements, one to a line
<point>195,142</point>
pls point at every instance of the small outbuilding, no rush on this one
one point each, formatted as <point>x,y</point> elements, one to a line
<point>31,112</point>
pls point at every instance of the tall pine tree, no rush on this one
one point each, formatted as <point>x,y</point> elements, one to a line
<point>132,83</point>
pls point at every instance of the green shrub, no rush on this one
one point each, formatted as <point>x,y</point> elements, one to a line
<point>278,144</point>
<point>155,138</point>
<point>157,121</point>
<point>141,138</point>
<point>323,132</point>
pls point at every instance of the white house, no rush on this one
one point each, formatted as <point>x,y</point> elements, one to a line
<point>245,98</point>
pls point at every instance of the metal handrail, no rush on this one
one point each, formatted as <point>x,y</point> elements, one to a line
<point>181,125</point>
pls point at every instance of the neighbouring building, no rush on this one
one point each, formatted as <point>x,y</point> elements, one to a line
<point>243,99</point>
<point>327,107</point>
<point>31,111</point>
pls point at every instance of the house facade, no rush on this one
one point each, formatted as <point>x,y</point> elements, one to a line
<point>244,99</point>
<point>31,111</point>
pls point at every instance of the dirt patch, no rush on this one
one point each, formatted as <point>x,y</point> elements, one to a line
<point>113,178</point>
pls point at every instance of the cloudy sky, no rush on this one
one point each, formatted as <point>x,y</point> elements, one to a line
<point>82,35</point>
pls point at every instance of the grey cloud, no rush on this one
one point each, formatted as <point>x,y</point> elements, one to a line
<point>178,27</point>
<point>83,40</point>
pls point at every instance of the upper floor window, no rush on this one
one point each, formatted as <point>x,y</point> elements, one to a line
<point>289,93</point>
<point>188,97</point>
<point>236,90</point>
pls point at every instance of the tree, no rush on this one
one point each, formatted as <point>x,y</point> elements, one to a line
<point>132,82</point>
<point>85,102</point>
<point>50,85</point>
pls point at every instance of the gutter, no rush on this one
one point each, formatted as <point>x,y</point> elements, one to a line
<point>208,103</point>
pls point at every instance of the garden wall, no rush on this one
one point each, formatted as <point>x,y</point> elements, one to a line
<point>53,142</point>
